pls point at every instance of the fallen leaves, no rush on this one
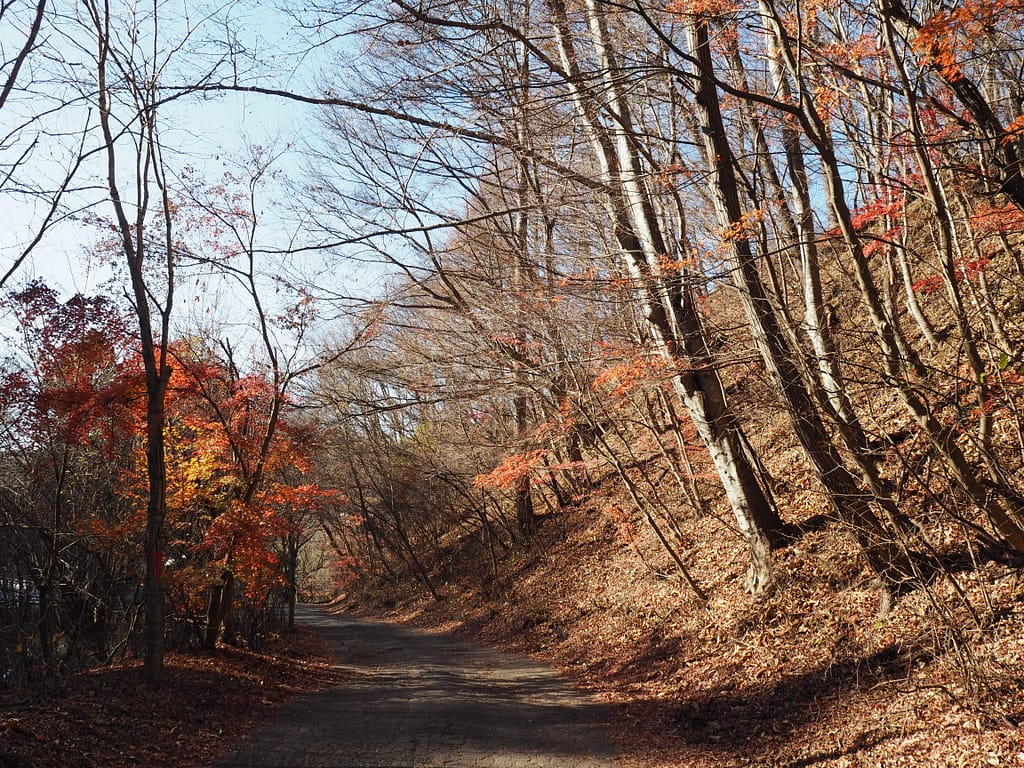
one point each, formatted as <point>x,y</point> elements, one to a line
<point>810,675</point>
<point>103,718</point>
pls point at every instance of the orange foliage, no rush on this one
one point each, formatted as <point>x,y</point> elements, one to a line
<point>949,35</point>
<point>1014,130</point>
<point>235,459</point>
<point>235,480</point>
<point>667,265</point>
<point>746,227</point>
<point>712,8</point>
<point>512,471</point>
<point>634,373</point>
<point>853,52</point>
<point>668,177</point>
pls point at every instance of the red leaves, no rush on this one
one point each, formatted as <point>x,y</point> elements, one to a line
<point>997,219</point>
<point>244,534</point>
<point>79,380</point>
<point>965,269</point>
<point>234,463</point>
<point>886,205</point>
<point>512,471</point>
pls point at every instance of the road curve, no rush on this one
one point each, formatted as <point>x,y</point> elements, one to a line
<point>418,700</point>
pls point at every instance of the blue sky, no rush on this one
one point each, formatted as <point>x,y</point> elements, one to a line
<point>206,133</point>
<point>209,134</point>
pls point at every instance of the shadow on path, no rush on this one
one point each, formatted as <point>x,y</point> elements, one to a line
<point>418,700</point>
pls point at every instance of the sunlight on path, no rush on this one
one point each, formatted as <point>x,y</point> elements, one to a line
<point>426,701</point>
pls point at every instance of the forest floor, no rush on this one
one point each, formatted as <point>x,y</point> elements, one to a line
<point>812,673</point>
<point>104,718</point>
<point>807,675</point>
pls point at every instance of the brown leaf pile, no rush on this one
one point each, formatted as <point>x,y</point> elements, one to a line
<point>104,718</point>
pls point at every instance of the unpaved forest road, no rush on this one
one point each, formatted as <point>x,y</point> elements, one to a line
<point>418,700</point>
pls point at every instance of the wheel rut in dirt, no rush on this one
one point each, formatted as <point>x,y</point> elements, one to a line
<point>418,700</point>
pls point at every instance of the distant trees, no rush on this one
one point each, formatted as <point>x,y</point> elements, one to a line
<point>611,176</point>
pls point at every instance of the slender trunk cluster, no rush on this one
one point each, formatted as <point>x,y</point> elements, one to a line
<point>720,151</point>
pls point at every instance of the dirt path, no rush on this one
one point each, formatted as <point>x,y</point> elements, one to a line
<point>418,700</point>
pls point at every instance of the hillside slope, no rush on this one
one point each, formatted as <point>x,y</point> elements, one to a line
<point>811,674</point>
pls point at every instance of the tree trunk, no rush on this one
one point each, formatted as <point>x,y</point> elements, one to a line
<point>665,300</point>
<point>848,501</point>
<point>1009,522</point>
<point>227,608</point>
<point>156,510</point>
<point>212,617</point>
<point>133,240</point>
